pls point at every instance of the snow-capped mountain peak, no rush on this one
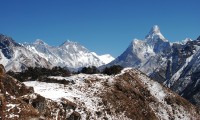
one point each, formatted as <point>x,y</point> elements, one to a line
<point>68,54</point>
<point>185,40</point>
<point>155,29</point>
<point>68,42</point>
<point>155,34</point>
<point>106,58</point>
<point>73,47</point>
<point>7,41</point>
<point>39,42</point>
<point>18,57</point>
<point>139,52</point>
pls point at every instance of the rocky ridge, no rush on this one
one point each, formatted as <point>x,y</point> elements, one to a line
<point>128,95</point>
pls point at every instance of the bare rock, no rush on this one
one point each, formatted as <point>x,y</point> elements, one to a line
<point>2,69</point>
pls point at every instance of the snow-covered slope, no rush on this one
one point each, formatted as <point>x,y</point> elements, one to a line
<point>107,58</point>
<point>69,54</point>
<point>16,58</point>
<point>128,95</point>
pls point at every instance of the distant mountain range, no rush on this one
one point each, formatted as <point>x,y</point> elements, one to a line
<point>69,54</point>
<point>16,57</point>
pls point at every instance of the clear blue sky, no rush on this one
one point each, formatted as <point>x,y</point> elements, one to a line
<point>102,26</point>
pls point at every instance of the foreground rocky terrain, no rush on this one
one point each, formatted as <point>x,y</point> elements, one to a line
<point>128,95</point>
<point>19,102</point>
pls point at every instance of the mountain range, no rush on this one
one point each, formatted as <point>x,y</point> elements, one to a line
<point>17,57</point>
<point>175,65</point>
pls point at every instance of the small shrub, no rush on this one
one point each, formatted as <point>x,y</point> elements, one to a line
<point>113,70</point>
<point>37,73</point>
<point>90,70</point>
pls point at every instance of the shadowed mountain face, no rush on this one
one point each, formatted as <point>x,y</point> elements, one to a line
<point>198,38</point>
<point>17,58</point>
<point>180,72</point>
<point>6,44</point>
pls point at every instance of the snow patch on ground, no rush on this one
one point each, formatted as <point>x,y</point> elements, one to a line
<point>9,108</point>
<point>84,92</point>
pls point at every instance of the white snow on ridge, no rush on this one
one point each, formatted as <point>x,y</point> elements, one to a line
<point>84,90</point>
<point>84,94</point>
<point>107,58</point>
<point>154,87</point>
<point>69,54</point>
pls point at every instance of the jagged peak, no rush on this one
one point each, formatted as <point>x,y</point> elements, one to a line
<point>186,40</point>
<point>155,29</point>
<point>8,40</point>
<point>73,46</point>
<point>5,38</point>
<point>155,34</point>
<point>40,42</point>
<point>69,42</point>
<point>136,41</point>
